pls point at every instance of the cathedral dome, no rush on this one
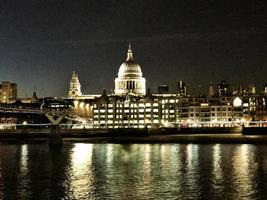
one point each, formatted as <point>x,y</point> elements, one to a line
<point>129,68</point>
<point>130,78</point>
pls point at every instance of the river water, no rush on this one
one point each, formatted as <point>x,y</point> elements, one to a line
<point>134,171</point>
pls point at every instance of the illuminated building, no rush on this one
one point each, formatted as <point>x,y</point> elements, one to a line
<point>213,110</point>
<point>8,92</point>
<point>75,86</point>
<point>132,106</point>
<point>130,78</point>
<point>134,111</point>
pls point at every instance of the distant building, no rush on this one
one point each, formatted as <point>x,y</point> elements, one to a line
<point>211,91</point>
<point>33,99</point>
<point>237,90</point>
<point>163,89</point>
<point>251,89</point>
<point>223,88</point>
<point>261,108</point>
<point>210,111</point>
<point>8,92</point>
<point>265,89</point>
<point>181,89</point>
<point>130,107</point>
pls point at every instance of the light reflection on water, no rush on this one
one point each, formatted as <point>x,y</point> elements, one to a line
<point>80,172</point>
<point>244,171</point>
<point>23,176</point>
<point>217,172</point>
<point>137,171</point>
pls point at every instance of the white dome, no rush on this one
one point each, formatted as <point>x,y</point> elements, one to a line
<point>130,78</point>
<point>130,69</point>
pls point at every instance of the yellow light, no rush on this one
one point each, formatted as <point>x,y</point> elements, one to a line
<point>237,102</point>
<point>81,105</point>
<point>76,104</point>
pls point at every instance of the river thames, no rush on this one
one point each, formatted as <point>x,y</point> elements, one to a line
<point>133,171</point>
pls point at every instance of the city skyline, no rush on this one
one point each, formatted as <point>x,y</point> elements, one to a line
<point>42,43</point>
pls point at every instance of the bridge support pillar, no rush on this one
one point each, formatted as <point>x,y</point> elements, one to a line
<point>55,137</point>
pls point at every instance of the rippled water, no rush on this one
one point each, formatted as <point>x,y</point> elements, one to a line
<point>137,171</point>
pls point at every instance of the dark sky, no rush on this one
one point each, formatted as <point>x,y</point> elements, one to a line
<point>42,41</point>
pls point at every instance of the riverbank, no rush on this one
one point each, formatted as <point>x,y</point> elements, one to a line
<point>188,138</point>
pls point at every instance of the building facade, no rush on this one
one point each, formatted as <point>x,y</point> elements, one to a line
<point>8,92</point>
<point>133,106</point>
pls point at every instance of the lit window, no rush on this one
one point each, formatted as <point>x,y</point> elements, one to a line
<point>237,102</point>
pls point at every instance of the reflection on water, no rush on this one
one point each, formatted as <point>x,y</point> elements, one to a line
<point>23,176</point>
<point>244,171</point>
<point>217,172</point>
<point>81,171</point>
<point>137,171</point>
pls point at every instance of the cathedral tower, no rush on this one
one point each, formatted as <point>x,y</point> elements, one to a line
<point>75,86</point>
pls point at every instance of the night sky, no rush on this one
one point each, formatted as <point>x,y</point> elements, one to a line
<point>42,41</point>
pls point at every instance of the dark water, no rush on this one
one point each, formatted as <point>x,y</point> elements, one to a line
<point>138,171</point>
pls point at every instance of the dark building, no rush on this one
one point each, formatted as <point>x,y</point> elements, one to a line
<point>223,88</point>
<point>181,89</point>
<point>163,89</point>
<point>265,89</point>
<point>211,91</point>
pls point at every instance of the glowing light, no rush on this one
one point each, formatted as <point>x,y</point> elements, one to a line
<point>237,102</point>
<point>24,157</point>
<point>81,105</point>
<point>76,104</point>
<point>81,170</point>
